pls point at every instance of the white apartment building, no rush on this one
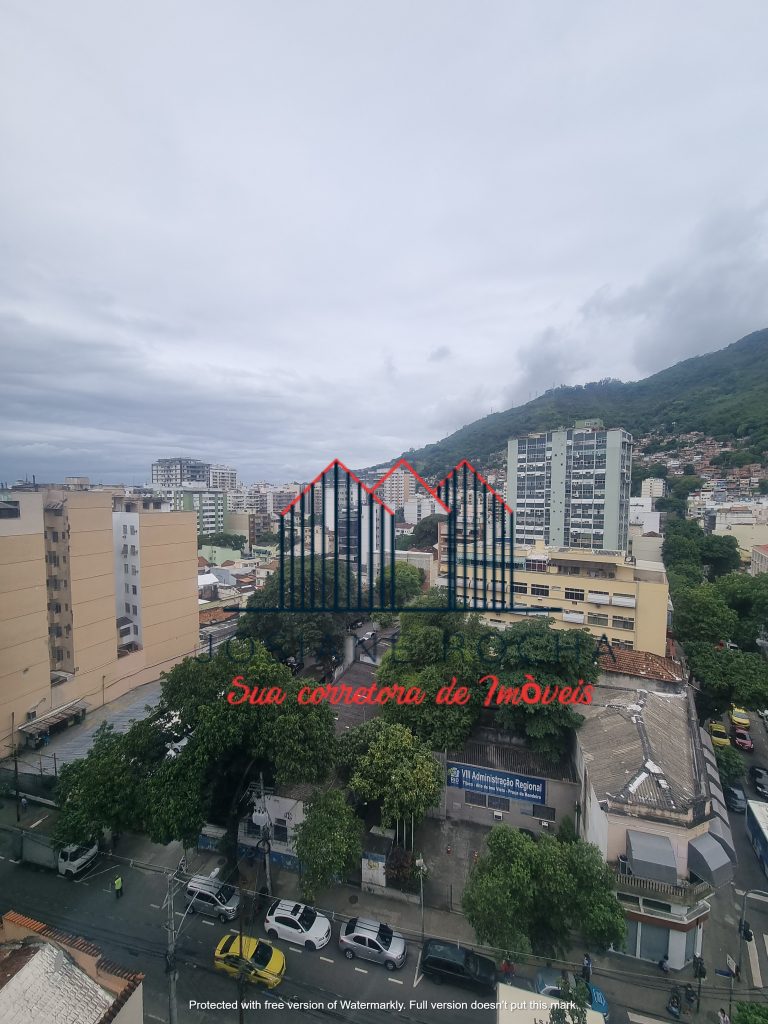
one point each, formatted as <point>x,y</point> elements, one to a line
<point>416,509</point>
<point>209,504</point>
<point>570,488</point>
<point>759,561</point>
<point>653,487</point>
<point>397,489</point>
<point>222,478</point>
<point>174,472</point>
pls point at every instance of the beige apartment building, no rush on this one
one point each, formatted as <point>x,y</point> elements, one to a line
<point>98,595</point>
<point>607,592</point>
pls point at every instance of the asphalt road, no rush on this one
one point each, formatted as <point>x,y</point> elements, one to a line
<point>132,932</point>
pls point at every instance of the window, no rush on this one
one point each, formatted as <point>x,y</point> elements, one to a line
<point>535,565</point>
<point>133,530</point>
<point>55,536</point>
<point>280,830</point>
<point>135,630</point>
<point>125,530</point>
<point>477,799</point>
<point>573,595</point>
<point>621,622</point>
<point>126,587</point>
<point>134,609</point>
<point>125,567</point>
<point>594,619</point>
<point>626,897</point>
<point>127,609</point>
<point>623,645</point>
<point>133,588</point>
<point>656,905</point>
<point>520,588</point>
<point>540,811</point>
<point>539,591</point>
<point>498,803</point>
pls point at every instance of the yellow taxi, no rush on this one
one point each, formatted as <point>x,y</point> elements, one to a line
<point>259,961</point>
<point>738,717</point>
<point>720,737</point>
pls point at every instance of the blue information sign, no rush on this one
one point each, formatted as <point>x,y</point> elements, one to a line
<point>506,784</point>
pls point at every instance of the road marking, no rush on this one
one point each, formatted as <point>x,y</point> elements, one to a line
<point>39,821</point>
<point>757,896</point>
<point>739,892</point>
<point>327,959</point>
<point>757,979</point>
<point>15,862</point>
<point>179,914</point>
<point>2,858</point>
<point>396,981</point>
<point>234,931</point>
<point>155,906</point>
<point>361,969</point>
<point>417,977</point>
<point>209,923</point>
<point>638,1018</point>
<point>295,949</point>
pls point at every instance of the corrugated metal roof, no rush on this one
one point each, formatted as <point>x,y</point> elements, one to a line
<point>50,987</point>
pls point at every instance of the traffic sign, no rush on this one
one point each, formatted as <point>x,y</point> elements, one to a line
<point>731,964</point>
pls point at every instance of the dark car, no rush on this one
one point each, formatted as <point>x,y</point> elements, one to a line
<point>444,961</point>
<point>735,798</point>
<point>759,778</point>
<point>740,738</point>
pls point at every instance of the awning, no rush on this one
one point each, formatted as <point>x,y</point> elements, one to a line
<point>721,831</point>
<point>714,775</point>
<point>718,806</point>
<point>716,792</point>
<point>708,860</point>
<point>651,856</point>
<point>43,722</point>
<point>706,740</point>
<point>709,756</point>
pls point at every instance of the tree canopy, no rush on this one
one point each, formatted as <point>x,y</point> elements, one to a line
<point>524,896</point>
<point>328,841</point>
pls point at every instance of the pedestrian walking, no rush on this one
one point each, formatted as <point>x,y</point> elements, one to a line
<point>723,1017</point>
<point>507,969</point>
<point>118,886</point>
<point>24,805</point>
<point>586,967</point>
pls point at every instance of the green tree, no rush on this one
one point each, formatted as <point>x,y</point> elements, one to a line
<point>677,549</point>
<point>727,677</point>
<point>720,554</point>
<point>399,771</point>
<point>409,581</point>
<point>751,1013</point>
<point>762,487</point>
<point>524,895</point>
<point>689,469</point>
<point>658,470</point>
<point>748,597</point>
<point>236,541</point>
<point>572,1009</point>
<point>328,842</point>
<point>701,613</point>
<point>729,764</point>
<point>425,531</point>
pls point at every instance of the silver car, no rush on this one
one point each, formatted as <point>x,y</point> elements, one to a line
<point>372,940</point>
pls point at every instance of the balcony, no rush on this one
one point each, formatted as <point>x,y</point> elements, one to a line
<point>684,893</point>
<point>624,601</point>
<point>594,598</point>
<point>573,616</point>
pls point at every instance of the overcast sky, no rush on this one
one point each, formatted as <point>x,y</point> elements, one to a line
<point>268,234</point>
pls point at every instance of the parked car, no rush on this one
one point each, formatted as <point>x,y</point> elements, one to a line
<point>735,798</point>
<point>444,961</point>
<point>741,739</point>
<point>259,962</point>
<point>549,981</point>
<point>210,896</point>
<point>372,940</point>
<point>719,735</point>
<point>367,637</point>
<point>739,717</point>
<point>759,778</point>
<point>296,922</point>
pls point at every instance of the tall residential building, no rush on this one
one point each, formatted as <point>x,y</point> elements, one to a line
<point>174,472</point>
<point>653,487</point>
<point>570,488</point>
<point>222,478</point>
<point>416,509</point>
<point>208,503</point>
<point>397,489</point>
<point>70,563</point>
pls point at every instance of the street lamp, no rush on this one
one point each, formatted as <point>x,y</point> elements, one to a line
<point>422,868</point>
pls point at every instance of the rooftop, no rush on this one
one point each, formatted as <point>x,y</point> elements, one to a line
<point>638,749</point>
<point>643,665</point>
<point>511,757</point>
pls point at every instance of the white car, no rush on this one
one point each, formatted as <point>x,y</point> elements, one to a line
<point>298,923</point>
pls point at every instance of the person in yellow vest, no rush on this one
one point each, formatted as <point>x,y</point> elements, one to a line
<point>118,886</point>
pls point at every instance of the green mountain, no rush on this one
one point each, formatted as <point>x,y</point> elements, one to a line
<point>724,394</point>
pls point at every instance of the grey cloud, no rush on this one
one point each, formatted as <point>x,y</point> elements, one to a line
<point>439,354</point>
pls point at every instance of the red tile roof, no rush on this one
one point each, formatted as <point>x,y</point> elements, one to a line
<point>643,665</point>
<point>202,562</point>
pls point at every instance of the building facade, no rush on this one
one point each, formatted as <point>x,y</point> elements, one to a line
<point>570,488</point>
<point>209,505</point>
<point>97,596</point>
<point>222,478</point>
<point>653,487</point>
<point>759,560</point>
<point>174,472</point>
<point>608,593</point>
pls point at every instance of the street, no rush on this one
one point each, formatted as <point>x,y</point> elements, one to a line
<point>132,933</point>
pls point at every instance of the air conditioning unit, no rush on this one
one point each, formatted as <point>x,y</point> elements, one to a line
<point>32,715</point>
<point>545,824</point>
<point>498,816</point>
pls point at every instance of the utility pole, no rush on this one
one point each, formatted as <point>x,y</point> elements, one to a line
<point>171,956</point>
<point>265,840</point>
<point>15,765</point>
<point>241,975</point>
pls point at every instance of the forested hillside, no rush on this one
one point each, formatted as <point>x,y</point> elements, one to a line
<point>724,394</point>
